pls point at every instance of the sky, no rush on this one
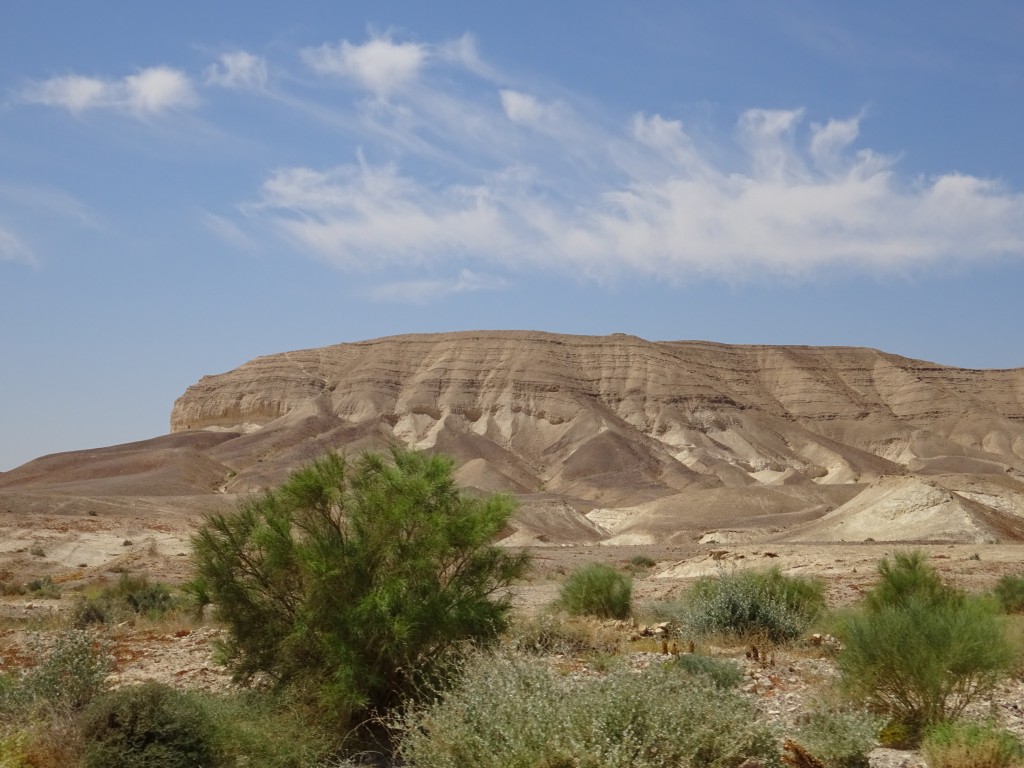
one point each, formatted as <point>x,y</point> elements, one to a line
<point>185,186</point>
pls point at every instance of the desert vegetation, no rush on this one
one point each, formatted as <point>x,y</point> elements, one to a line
<point>920,651</point>
<point>366,616</point>
<point>597,590</point>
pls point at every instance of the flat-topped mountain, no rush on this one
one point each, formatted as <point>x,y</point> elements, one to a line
<point>609,438</point>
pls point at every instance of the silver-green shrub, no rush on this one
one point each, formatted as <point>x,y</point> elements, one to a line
<point>764,604</point>
<point>510,712</point>
<point>70,671</point>
<point>839,738</point>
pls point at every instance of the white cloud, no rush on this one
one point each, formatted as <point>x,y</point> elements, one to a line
<point>429,290</point>
<point>527,182</point>
<point>13,248</point>
<point>238,69</point>
<point>365,216</point>
<point>378,65</point>
<point>74,92</point>
<point>148,92</point>
<point>829,141</point>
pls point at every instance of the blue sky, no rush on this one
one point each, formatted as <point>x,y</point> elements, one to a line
<point>185,186</point>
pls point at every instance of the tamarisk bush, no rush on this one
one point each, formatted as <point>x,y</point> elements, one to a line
<point>358,580</point>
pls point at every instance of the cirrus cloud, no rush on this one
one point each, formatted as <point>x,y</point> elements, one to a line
<point>13,248</point>
<point>428,290</point>
<point>793,207</point>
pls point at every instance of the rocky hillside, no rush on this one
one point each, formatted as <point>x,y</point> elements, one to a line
<point>611,439</point>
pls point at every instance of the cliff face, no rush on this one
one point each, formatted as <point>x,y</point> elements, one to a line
<point>568,407</point>
<point>647,438</point>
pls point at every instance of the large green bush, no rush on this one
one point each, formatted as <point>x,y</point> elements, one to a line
<point>358,581</point>
<point>763,604</point>
<point>515,713</point>
<point>597,590</point>
<point>921,652</point>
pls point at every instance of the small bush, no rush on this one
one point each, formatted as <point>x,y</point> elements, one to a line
<point>548,635</point>
<point>132,597</point>
<point>70,672</point>
<point>622,720</point>
<point>971,745</point>
<point>44,588</point>
<point>921,651</point>
<point>1009,592</point>
<point>597,590</point>
<point>839,738</point>
<point>754,604</point>
<point>145,726</point>
<point>9,586</point>
<point>724,674</point>
<point>640,564</point>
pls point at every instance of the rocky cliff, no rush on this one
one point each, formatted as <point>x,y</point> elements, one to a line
<point>647,439</point>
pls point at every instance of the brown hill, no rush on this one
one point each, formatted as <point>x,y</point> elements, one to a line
<point>608,438</point>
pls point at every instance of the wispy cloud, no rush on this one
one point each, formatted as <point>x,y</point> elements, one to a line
<point>53,201</point>
<point>238,69</point>
<point>228,231</point>
<point>466,169</point>
<point>528,110</point>
<point>13,248</point>
<point>148,92</point>
<point>365,217</point>
<point>427,291</point>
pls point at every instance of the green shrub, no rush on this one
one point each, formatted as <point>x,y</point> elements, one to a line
<point>908,577</point>
<point>597,590</point>
<point>1009,591</point>
<point>971,745</point>
<point>724,674</point>
<point>359,582</point>
<point>839,738</point>
<point>510,712</point>
<point>922,662</point>
<point>764,604</point>
<point>145,726</point>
